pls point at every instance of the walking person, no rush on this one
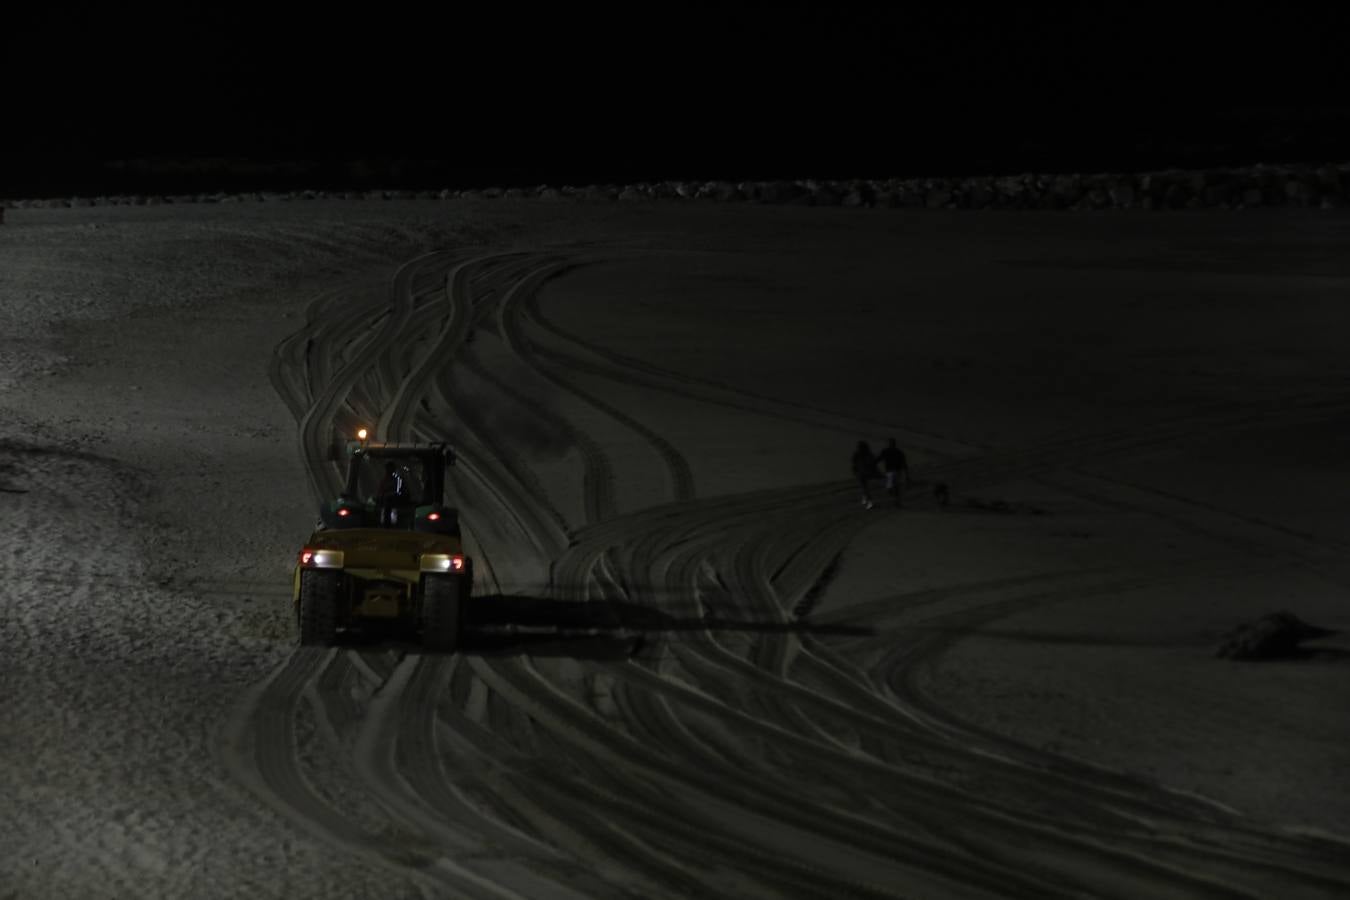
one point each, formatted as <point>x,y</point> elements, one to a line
<point>896,469</point>
<point>865,470</point>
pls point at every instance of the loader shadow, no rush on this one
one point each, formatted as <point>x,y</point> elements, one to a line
<point>1306,655</point>
<point>510,625</point>
<point>1200,642</point>
<point>521,610</point>
<point>513,623</point>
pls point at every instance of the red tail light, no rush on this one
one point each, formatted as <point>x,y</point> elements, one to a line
<point>442,562</point>
<point>344,511</point>
<point>434,517</point>
<point>321,558</point>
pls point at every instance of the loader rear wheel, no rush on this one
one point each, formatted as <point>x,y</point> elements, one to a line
<point>443,598</point>
<point>318,608</point>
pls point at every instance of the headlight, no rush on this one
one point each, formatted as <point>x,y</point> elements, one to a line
<point>321,559</point>
<point>442,562</point>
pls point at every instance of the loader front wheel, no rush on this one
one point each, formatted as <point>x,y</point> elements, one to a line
<point>443,599</point>
<point>318,608</point>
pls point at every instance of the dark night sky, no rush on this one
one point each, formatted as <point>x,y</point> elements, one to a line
<point>688,89</point>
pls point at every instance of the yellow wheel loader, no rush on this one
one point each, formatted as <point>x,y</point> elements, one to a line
<point>387,551</point>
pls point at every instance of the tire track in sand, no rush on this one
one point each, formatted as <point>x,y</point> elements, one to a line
<point>658,771</point>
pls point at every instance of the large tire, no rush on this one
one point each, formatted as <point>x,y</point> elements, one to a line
<point>318,608</point>
<point>452,523</point>
<point>443,599</point>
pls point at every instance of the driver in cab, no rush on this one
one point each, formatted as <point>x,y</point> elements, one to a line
<point>392,493</point>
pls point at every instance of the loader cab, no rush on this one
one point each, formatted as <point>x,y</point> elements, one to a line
<point>394,486</point>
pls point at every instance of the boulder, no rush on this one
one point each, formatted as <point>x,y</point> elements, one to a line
<point>1309,186</point>
<point>1122,195</point>
<point>729,193</point>
<point>912,195</point>
<point>1297,193</point>
<point>1155,186</point>
<point>801,194</point>
<point>1051,200</point>
<point>1329,180</point>
<point>778,192</point>
<point>1176,196</point>
<point>1011,185</point>
<point>937,198</point>
<point>825,195</point>
<point>1067,185</point>
<point>1231,188</point>
<point>1273,636</point>
<point>979,194</point>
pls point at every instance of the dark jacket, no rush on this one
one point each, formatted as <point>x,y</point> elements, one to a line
<point>864,464</point>
<point>893,460</point>
<point>391,485</point>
